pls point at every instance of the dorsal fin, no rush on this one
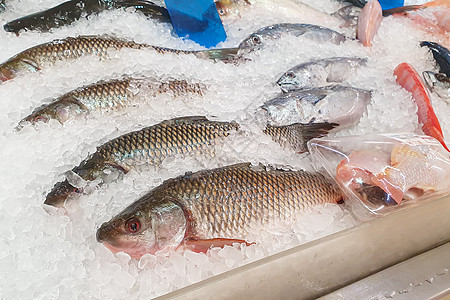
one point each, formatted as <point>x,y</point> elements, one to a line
<point>184,120</point>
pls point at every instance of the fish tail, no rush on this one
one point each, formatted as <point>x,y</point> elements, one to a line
<point>297,135</point>
<point>225,54</point>
<point>313,130</point>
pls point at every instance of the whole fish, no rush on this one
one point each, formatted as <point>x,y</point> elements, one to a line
<point>439,83</point>
<point>296,136</point>
<point>113,94</point>
<point>148,146</point>
<point>408,78</point>
<point>333,104</point>
<point>316,33</point>
<point>37,57</point>
<point>70,11</point>
<point>212,208</point>
<point>368,22</point>
<point>317,73</point>
<point>441,56</point>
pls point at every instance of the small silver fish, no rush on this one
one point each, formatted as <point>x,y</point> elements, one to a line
<point>334,104</point>
<point>438,83</point>
<point>316,73</point>
<point>316,33</point>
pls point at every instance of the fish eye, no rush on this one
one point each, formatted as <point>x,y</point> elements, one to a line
<point>77,190</point>
<point>256,39</point>
<point>133,225</point>
<point>290,75</point>
<point>40,119</point>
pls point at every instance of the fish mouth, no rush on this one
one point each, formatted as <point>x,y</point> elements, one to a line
<point>60,193</point>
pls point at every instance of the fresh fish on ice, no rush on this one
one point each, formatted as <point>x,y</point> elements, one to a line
<point>317,73</point>
<point>409,171</point>
<point>113,94</point>
<point>197,211</point>
<point>349,14</point>
<point>70,11</point>
<point>37,57</point>
<point>316,33</point>
<point>333,104</point>
<point>408,78</point>
<point>438,83</point>
<point>441,56</point>
<point>2,5</point>
<point>296,136</point>
<point>368,22</point>
<point>148,146</point>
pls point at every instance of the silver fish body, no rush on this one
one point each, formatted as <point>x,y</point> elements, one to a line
<point>314,32</point>
<point>317,73</point>
<point>212,208</point>
<point>113,94</point>
<point>349,14</point>
<point>438,83</point>
<point>333,104</point>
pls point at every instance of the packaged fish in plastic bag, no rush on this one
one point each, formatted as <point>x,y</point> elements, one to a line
<point>381,173</point>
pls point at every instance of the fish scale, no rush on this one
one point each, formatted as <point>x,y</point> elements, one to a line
<point>223,202</point>
<point>148,146</point>
<point>113,94</point>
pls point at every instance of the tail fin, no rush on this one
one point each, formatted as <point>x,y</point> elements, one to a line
<point>225,54</point>
<point>297,135</point>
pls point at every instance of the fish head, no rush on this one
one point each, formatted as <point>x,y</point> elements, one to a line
<point>231,8</point>
<point>291,80</point>
<point>60,110</point>
<point>148,225</point>
<point>16,66</point>
<point>437,82</point>
<point>61,192</point>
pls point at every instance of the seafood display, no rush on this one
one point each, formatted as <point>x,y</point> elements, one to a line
<point>114,94</point>
<point>36,58</point>
<point>191,211</point>
<point>148,146</point>
<point>317,73</point>
<point>144,162</point>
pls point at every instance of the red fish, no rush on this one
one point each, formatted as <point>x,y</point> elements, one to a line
<point>409,79</point>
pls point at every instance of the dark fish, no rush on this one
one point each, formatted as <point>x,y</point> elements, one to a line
<point>358,3</point>
<point>316,33</point>
<point>113,94</point>
<point>438,83</point>
<point>212,208</point>
<point>297,135</point>
<point>148,146</point>
<point>441,56</point>
<point>68,12</point>
<point>2,5</point>
<point>317,73</point>
<point>37,57</point>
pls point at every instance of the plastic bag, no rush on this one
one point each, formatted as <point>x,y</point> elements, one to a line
<point>380,173</point>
